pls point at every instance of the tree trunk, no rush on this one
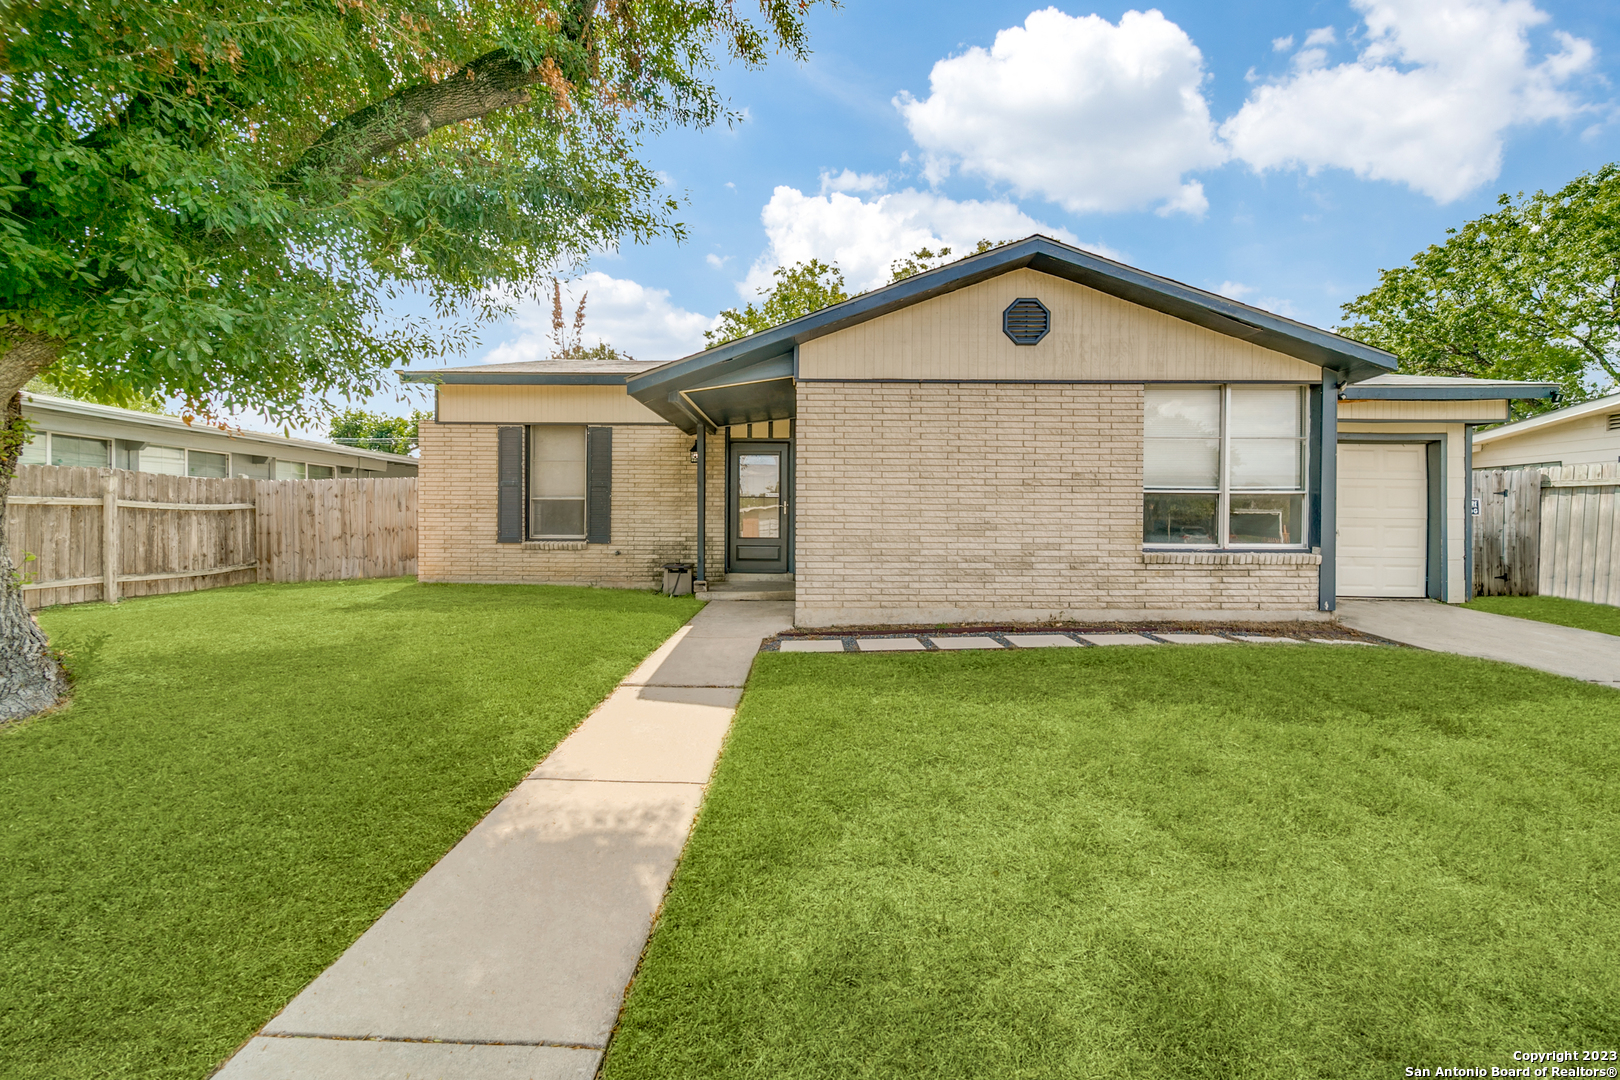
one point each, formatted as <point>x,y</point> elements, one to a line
<point>31,678</point>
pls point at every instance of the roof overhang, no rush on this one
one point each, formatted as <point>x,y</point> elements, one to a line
<point>1461,392</point>
<point>515,378</point>
<point>1352,360</point>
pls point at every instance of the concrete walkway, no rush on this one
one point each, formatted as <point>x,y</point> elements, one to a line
<point>1562,650</point>
<point>509,959</point>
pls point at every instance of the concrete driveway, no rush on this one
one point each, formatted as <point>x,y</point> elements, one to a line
<point>1428,624</point>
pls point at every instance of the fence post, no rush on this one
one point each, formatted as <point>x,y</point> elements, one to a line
<point>110,562</point>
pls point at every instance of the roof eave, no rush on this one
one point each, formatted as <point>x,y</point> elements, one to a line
<point>1521,392</point>
<point>1353,360</point>
<point>516,378</point>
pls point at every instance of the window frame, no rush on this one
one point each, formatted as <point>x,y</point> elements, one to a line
<point>1224,491</point>
<point>529,498</point>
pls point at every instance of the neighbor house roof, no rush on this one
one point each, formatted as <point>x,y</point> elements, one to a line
<point>158,422</point>
<point>1352,360</point>
<point>554,372</point>
<point>1446,388</point>
<point>1610,403</point>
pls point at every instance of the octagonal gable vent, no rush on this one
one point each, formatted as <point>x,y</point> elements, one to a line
<point>1026,321</point>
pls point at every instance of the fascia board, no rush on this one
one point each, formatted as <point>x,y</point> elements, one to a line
<point>514,378</point>
<point>1520,392</point>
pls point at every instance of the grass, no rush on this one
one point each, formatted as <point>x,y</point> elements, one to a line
<point>1289,861</point>
<point>247,778</point>
<point>1603,618</point>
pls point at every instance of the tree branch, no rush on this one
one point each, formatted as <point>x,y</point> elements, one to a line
<point>24,354</point>
<point>496,80</point>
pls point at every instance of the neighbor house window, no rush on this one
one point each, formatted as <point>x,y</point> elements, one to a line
<point>289,470</point>
<point>202,463</point>
<point>36,451</point>
<point>1224,466</point>
<point>320,472</point>
<point>557,482</point>
<point>72,450</point>
<point>165,460</point>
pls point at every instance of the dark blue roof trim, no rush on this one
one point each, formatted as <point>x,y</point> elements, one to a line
<point>1353,360</point>
<point>1516,392</point>
<point>512,378</point>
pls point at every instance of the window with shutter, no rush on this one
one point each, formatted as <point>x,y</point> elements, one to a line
<point>599,485</point>
<point>509,476</point>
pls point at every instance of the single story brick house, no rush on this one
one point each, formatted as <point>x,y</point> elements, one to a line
<point>1034,433</point>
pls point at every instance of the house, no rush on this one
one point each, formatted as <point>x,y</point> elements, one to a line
<point>67,432</point>
<point>1584,434</point>
<point>1033,433</point>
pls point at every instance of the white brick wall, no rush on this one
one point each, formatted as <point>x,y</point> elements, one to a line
<point>949,502</point>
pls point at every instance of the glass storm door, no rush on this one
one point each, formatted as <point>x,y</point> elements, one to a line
<point>759,536</point>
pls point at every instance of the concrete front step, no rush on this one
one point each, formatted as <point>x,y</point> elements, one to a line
<point>753,587</point>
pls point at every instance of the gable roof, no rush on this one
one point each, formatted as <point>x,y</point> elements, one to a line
<point>1609,403</point>
<point>1352,360</point>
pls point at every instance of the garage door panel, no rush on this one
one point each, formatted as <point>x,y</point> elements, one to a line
<point>1383,520</point>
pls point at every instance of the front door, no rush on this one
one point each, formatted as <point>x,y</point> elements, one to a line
<point>760,481</point>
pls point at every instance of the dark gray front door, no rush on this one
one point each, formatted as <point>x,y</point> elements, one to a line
<point>760,483</point>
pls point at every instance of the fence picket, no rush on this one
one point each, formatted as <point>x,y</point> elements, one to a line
<point>293,530</point>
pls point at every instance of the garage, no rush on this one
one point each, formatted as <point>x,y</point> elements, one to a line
<point>1383,519</point>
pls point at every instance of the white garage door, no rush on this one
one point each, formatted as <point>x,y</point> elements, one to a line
<point>1383,536</point>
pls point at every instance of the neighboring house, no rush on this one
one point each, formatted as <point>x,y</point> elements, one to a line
<point>1034,433</point>
<point>1584,434</point>
<point>70,432</point>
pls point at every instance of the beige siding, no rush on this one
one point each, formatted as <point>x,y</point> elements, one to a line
<point>1457,494</point>
<point>1095,337</point>
<point>952,502</point>
<point>462,403</point>
<point>1585,440</point>
<point>1431,412</point>
<point>654,517</point>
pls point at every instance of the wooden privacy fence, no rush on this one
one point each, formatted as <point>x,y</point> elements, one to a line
<point>104,534</point>
<point>1548,532</point>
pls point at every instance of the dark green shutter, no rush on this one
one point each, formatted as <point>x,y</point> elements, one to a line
<point>509,471</point>
<point>598,485</point>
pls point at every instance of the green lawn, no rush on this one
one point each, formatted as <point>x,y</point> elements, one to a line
<point>1604,618</point>
<point>247,778</point>
<point>1220,861</point>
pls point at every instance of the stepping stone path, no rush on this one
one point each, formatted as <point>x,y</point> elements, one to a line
<point>1070,640</point>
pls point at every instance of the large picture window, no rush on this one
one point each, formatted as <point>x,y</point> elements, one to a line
<point>557,482</point>
<point>1224,466</point>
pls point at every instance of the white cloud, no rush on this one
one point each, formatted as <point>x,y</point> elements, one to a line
<point>1425,103</point>
<point>1092,115</point>
<point>1283,44</point>
<point>1322,35</point>
<point>864,236</point>
<point>716,261</point>
<point>1235,290</point>
<point>630,316</point>
<point>849,180</point>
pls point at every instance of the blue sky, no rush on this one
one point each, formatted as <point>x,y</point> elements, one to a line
<point>1281,153</point>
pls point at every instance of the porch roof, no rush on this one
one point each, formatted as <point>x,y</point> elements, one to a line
<point>1446,388</point>
<point>669,389</point>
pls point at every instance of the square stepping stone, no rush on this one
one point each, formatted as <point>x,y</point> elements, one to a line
<point>793,645</point>
<point>1043,641</point>
<point>1118,639</point>
<point>889,644</point>
<point>1337,641</point>
<point>1194,639</point>
<point>1261,639</point>
<point>964,642</point>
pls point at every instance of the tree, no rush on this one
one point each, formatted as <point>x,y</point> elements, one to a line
<point>799,289</point>
<point>1530,291</point>
<point>376,431</point>
<point>924,259</point>
<point>211,200</point>
<point>569,343</point>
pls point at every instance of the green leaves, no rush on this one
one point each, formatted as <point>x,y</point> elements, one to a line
<point>152,221</point>
<point>800,289</point>
<point>1528,292</point>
